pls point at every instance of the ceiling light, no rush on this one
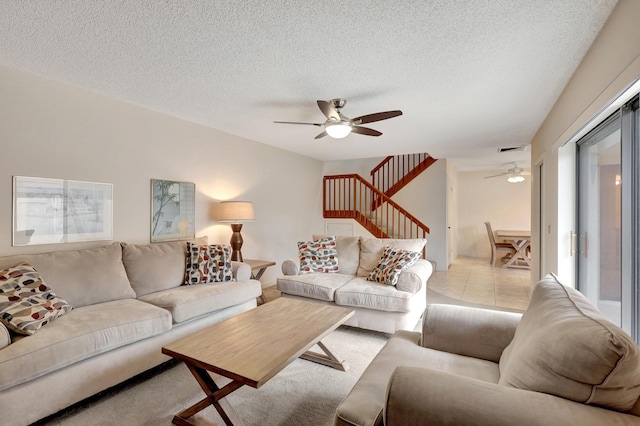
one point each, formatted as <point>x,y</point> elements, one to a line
<point>338,130</point>
<point>517,178</point>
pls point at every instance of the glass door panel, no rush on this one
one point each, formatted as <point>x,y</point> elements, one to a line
<point>600,218</point>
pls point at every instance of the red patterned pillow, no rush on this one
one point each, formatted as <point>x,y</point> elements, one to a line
<point>391,264</point>
<point>208,263</point>
<point>26,303</point>
<point>318,256</point>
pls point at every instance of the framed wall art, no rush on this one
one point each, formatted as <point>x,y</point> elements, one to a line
<point>53,211</point>
<point>172,210</point>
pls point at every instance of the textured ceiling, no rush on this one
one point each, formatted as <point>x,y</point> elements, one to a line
<point>470,76</point>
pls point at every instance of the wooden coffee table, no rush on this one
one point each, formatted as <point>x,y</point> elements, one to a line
<point>253,347</point>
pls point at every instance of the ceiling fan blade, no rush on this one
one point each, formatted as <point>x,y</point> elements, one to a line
<point>365,131</point>
<point>296,122</point>
<point>501,174</point>
<point>328,110</point>
<point>321,135</point>
<point>378,116</point>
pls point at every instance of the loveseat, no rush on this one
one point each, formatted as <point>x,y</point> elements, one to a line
<point>560,363</point>
<point>127,301</point>
<point>378,306</point>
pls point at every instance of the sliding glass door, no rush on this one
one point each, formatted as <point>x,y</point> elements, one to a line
<point>599,244</point>
<point>607,218</point>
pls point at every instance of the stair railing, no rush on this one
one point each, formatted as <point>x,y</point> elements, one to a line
<point>395,171</point>
<point>351,196</point>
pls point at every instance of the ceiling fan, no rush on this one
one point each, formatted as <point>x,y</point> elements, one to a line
<point>339,126</point>
<point>515,174</point>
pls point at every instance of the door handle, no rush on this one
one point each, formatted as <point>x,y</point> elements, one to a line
<point>572,243</point>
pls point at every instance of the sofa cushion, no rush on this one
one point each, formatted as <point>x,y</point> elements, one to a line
<point>348,253</point>
<point>80,334</point>
<point>366,294</point>
<point>207,263</point>
<point>565,347</point>
<point>26,303</point>
<point>314,286</point>
<point>81,277</point>
<point>392,262</point>
<point>158,266</point>
<point>188,302</point>
<point>318,256</point>
<point>371,250</point>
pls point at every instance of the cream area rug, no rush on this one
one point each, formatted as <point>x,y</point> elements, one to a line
<point>303,393</point>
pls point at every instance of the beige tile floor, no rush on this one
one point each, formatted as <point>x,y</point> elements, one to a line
<point>473,280</point>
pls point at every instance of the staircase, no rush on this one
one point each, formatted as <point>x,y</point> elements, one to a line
<point>351,196</point>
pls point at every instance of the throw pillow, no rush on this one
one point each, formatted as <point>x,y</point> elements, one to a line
<point>318,256</point>
<point>564,346</point>
<point>208,263</point>
<point>26,303</point>
<point>392,263</point>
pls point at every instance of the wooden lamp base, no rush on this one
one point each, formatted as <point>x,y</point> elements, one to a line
<point>236,242</point>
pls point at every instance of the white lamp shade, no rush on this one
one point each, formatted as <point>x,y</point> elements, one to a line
<point>338,130</point>
<point>515,178</point>
<point>235,211</point>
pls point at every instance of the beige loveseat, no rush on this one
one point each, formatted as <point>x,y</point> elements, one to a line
<point>561,363</point>
<point>127,302</point>
<point>377,306</point>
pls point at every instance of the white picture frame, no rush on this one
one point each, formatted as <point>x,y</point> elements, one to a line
<point>56,211</point>
<point>172,210</point>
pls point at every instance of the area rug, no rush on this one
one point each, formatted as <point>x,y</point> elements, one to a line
<point>303,393</point>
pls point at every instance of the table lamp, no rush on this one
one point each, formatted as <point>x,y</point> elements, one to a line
<point>236,212</point>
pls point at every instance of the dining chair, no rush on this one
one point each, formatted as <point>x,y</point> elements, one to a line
<point>495,247</point>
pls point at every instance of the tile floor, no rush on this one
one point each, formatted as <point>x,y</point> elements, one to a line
<point>473,280</point>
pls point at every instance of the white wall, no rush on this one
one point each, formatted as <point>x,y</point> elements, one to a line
<point>48,129</point>
<point>426,199</point>
<point>506,205</point>
<point>611,65</point>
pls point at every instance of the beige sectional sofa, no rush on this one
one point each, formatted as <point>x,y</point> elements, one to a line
<point>127,302</point>
<point>379,307</point>
<point>560,363</point>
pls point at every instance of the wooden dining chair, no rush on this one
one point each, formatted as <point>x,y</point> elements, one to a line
<point>496,247</point>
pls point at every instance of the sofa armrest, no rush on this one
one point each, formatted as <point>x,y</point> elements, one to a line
<point>418,396</point>
<point>5,337</point>
<point>291,266</point>
<point>241,271</point>
<point>415,277</point>
<point>474,332</point>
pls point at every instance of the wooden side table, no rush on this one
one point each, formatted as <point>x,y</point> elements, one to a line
<point>257,269</point>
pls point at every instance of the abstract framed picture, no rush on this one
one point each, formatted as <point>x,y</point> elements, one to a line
<point>54,211</point>
<point>172,210</point>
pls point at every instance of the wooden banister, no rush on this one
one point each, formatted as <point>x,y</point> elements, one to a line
<point>396,171</point>
<point>351,196</point>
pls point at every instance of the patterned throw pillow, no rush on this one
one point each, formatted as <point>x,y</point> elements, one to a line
<point>26,303</point>
<point>318,256</point>
<point>391,264</point>
<point>208,263</point>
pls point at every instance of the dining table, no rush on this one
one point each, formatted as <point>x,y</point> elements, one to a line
<point>521,242</point>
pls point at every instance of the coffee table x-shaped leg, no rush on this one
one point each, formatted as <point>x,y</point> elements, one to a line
<point>215,394</point>
<point>214,397</point>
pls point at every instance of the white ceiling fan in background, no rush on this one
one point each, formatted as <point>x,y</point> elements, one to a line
<point>515,174</point>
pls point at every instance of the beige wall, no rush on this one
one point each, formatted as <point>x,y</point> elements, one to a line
<point>610,65</point>
<point>52,130</point>
<point>506,205</point>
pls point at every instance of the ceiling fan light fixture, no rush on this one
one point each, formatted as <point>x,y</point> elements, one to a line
<point>517,178</point>
<point>338,130</point>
